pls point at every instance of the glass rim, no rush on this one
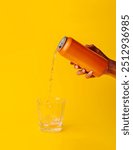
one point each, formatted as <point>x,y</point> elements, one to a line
<point>51,99</point>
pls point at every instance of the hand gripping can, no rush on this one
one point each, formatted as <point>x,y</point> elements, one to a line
<point>82,56</point>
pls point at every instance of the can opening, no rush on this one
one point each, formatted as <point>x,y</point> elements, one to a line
<point>62,43</point>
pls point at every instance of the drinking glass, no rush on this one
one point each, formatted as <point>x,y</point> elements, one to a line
<point>51,112</point>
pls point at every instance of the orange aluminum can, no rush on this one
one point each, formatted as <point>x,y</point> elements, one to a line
<point>82,56</point>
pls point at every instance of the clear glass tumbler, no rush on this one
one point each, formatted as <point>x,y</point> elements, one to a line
<point>51,112</point>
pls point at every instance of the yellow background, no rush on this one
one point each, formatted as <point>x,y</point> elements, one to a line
<point>29,33</point>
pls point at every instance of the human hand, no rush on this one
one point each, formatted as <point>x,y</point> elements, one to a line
<point>82,71</point>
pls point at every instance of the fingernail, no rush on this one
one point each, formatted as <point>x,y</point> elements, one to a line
<point>76,66</point>
<point>83,70</point>
<point>78,72</point>
<point>88,75</point>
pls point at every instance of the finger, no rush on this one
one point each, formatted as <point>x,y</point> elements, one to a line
<point>91,46</point>
<point>71,63</point>
<point>82,71</point>
<point>97,50</point>
<point>76,66</point>
<point>89,74</point>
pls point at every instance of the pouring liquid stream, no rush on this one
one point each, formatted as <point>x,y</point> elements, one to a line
<point>50,115</point>
<point>51,76</point>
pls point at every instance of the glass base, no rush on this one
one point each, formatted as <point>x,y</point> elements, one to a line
<point>50,128</point>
